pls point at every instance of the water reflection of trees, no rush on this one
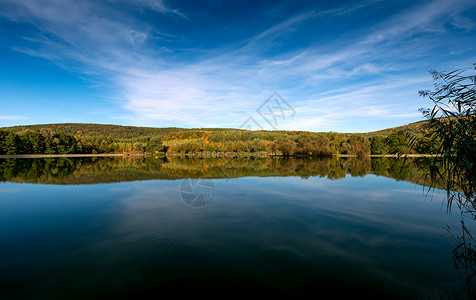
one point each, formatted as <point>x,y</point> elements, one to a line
<point>104,170</point>
<point>76,170</point>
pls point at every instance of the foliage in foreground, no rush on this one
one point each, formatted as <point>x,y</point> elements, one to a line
<point>452,126</point>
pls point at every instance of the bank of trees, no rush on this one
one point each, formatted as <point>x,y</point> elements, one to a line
<point>37,140</point>
<point>295,143</point>
<point>274,143</point>
<point>400,142</point>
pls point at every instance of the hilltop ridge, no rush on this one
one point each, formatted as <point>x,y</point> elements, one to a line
<point>127,132</point>
<point>110,130</point>
<point>78,138</point>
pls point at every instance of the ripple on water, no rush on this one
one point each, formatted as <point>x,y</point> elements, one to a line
<point>159,246</point>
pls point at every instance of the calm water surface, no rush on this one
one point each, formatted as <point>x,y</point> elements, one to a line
<point>293,236</point>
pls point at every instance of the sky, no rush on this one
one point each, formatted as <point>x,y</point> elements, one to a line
<point>344,66</point>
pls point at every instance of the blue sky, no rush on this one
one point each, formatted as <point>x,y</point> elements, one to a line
<point>345,66</point>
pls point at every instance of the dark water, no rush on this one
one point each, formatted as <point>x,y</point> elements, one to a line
<point>106,229</point>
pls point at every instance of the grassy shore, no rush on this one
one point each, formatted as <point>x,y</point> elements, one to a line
<point>391,155</point>
<point>61,155</point>
<point>193,154</point>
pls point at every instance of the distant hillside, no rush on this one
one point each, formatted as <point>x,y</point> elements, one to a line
<point>113,131</point>
<point>77,138</point>
<point>417,128</point>
<point>130,132</point>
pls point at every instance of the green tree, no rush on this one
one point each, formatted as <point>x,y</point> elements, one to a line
<point>240,147</point>
<point>336,140</point>
<point>3,137</point>
<point>378,145</point>
<point>66,144</point>
<point>272,147</point>
<point>11,143</point>
<point>138,146</point>
<point>426,145</point>
<point>36,142</point>
<point>154,144</point>
<point>257,145</point>
<point>315,145</point>
<point>190,147</point>
<point>359,145</point>
<point>286,146</point>
<point>399,142</point>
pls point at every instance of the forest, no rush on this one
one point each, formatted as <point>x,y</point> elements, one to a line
<point>96,138</point>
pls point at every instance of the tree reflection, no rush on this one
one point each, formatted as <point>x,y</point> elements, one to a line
<point>105,170</point>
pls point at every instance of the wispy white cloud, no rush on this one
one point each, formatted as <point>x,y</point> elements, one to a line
<point>159,6</point>
<point>281,28</point>
<point>12,118</point>
<point>463,22</point>
<point>366,77</point>
<point>86,32</point>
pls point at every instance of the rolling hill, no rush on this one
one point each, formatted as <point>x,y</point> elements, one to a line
<point>109,130</point>
<point>128,132</point>
<point>417,128</point>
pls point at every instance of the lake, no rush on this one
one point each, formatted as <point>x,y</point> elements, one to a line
<point>106,228</point>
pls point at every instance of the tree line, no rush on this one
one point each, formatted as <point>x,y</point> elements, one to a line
<point>37,140</point>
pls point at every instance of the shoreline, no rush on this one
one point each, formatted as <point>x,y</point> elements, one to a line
<point>199,155</point>
<point>390,155</point>
<point>61,155</point>
<point>405,155</point>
